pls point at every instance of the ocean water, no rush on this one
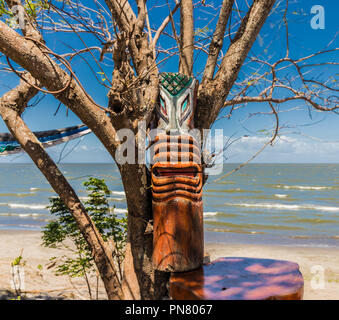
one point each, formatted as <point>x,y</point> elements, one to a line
<point>287,204</point>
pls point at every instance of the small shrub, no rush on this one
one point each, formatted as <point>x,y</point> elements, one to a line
<point>17,272</point>
<point>63,230</point>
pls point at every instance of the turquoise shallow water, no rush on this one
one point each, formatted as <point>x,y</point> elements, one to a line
<point>292,204</point>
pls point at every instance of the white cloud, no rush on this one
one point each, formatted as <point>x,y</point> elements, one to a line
<point>285,149</point>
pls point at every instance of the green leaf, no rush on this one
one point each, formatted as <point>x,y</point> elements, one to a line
<point>17,261</point>
<point>63,229</point>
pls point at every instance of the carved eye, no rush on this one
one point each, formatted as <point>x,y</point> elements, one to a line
<point>184,105</point>
<point>163,106</point>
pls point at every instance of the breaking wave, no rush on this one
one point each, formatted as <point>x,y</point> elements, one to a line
<point>304,187</point>
<point>211,213</point>
<point>281,206</point>
<point>281,195</point>
<point>118,210</point>
<point>25,206</point>
<point>118,193</point>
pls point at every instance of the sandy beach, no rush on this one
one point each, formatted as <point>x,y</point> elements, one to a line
<point>39,280</point>
<point>41,283</point>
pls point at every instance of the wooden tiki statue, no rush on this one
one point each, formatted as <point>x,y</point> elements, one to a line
<point>177,178</point>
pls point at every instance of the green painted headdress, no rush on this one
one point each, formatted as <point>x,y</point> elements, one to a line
<point>177,100</point>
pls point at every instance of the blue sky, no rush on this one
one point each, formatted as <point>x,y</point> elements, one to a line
<point>306,137</point>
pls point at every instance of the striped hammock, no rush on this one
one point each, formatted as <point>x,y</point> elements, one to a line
<point>8,144</point>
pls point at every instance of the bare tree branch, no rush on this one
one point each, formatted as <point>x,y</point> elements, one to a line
<point>269,142</point>
<point>164,24</point>
<point>122,13</point>
<point>217,40</point>
<point>186,37</point>
<point>141,19</point>
<point>18,98</point>
<point>278,100</point>
<point>218,88</point>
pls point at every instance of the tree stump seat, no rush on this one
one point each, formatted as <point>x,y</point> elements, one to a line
<point>237,278</point>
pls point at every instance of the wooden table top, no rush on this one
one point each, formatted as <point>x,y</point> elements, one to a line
<point>237,278</point>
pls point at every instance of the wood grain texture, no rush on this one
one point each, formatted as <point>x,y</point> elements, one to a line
<point>178,235</point>
<point>239,279</point>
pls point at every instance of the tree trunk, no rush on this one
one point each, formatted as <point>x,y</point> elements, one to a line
<point>140,281</point>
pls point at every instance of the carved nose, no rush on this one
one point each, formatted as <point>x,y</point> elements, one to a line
<point>173,126</point>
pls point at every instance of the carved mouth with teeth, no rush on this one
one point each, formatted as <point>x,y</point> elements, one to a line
<point>175,172</point>
<point>176,169</point>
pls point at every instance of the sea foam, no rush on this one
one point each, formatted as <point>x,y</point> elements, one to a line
<point>118,193</point>
<point>211,213</point>
<point>27,206</point>
<point>304,187</point>
<point>281,206</point>
<point>281,195</point>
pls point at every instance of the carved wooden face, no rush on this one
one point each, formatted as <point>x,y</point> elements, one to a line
<point>176,178</point>
<point>177,102</point>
